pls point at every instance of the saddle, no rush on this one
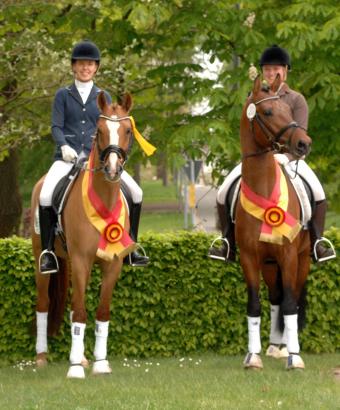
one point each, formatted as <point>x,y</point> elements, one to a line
<point>302,190</point>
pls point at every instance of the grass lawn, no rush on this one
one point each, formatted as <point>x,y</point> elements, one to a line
<point>161,221</point>
<point>206,381</point>
<point>155,192</point>
<point>164,201</point>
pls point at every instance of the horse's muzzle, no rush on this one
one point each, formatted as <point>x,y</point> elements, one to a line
<point>302,148</point>
<point>113,168</point>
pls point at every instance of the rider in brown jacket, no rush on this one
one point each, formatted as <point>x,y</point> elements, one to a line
<point>275,60</point>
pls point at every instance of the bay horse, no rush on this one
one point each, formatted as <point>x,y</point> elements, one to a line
<point>267,127</point>
<point>109,151</point>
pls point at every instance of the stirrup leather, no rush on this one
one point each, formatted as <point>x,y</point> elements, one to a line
<point>55,258</point>
<point>220,258</point>
<point>326,258</point>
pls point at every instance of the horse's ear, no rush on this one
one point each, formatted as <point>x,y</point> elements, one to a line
<point>125,101</point>
<point>101,101</point>
<point>257,84</point>
<point>276,83</point>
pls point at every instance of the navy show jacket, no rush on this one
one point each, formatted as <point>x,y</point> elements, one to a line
<point>73,122</point>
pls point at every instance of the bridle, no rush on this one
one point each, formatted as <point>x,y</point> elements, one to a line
<point>112,148</point>
<point>272,137</point>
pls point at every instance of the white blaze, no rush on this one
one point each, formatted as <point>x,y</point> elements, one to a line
<point>114,139</point>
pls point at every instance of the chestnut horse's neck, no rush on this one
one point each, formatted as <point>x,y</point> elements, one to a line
<point>258,163</point>
<point>106,190</point>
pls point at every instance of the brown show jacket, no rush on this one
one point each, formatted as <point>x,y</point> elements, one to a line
<point>297,103</point>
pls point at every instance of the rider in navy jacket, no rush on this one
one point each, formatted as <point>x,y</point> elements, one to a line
<point>74,122</point>
<point>78,127</point>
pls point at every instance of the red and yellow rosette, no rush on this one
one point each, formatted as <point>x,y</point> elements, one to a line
<point>274,216</point>
<point>114,240</point>
<point>114,232</point>
<point>272,211</point>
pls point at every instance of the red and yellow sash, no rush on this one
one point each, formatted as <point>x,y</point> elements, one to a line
<point>277,222</point>
<point>114,239</point>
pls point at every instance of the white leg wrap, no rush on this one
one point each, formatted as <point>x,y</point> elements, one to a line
<point>101,332</point>
<point>292,333</point>
<point>254,342</point>
<point>275,333</point>
<point>77,349</point>
<point>41,343</point>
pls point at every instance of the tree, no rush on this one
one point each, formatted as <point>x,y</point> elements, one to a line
<point>151,48</point>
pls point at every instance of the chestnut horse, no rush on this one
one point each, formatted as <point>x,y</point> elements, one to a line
<point>114,131</point>
<point>267,127</point>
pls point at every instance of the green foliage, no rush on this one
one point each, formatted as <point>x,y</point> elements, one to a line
<point>182,303</point>
<point>152,49</point>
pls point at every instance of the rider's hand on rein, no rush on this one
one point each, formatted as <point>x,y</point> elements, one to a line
<point>68,153</point>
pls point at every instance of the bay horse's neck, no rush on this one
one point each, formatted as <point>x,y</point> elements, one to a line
<point>258,171</point>
<point>106,190</point>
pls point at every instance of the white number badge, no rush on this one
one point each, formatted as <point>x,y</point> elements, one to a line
<point>251,111</point>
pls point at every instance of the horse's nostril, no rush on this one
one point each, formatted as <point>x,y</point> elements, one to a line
<point>302,146</point>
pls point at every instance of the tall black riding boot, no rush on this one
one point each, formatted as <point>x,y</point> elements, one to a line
<point>322,248</point>
<point>134,258</point>
<point>48,262</point>
<point>226,252</point>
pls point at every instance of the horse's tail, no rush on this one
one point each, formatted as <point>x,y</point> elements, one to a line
<point>57,293</point>
<point>302,306</point>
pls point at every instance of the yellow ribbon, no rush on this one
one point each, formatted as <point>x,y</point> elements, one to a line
<point>148,148</point>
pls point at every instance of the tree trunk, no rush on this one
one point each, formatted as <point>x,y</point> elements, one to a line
<point>10,198</point>
<point>162,169</point>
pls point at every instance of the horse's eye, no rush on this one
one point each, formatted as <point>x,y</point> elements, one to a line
<point>128,131</point>
<point>268,112</point>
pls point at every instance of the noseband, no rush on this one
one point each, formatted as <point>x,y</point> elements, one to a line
<point>272,137</point>
<point>112,148</point>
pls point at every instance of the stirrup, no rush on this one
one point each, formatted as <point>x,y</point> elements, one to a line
<point>55,259</point>
<point>139,246</point>
<point>326,258</point>
<point>220,258</point>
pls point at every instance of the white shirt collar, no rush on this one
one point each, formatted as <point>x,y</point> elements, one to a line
<point>80,84</point>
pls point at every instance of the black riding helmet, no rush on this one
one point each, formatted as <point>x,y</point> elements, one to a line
<point>275,55</point>
<point>85,50</point>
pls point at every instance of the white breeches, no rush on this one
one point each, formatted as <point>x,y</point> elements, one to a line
<point>230,178</point>
<point>303,170</point>
<point>135,190</point>
<point>60,168</point>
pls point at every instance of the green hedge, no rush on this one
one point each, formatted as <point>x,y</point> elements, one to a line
<point>182,303</point>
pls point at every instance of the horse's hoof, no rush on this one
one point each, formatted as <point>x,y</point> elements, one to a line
<point>276,352</point>
<point>294,361</point>
<point>85,363</point>
<point>101,367</point>
<point>41,360</point>
<point>40,363</point>
<point>253,361</point>
<point>76,372</point>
